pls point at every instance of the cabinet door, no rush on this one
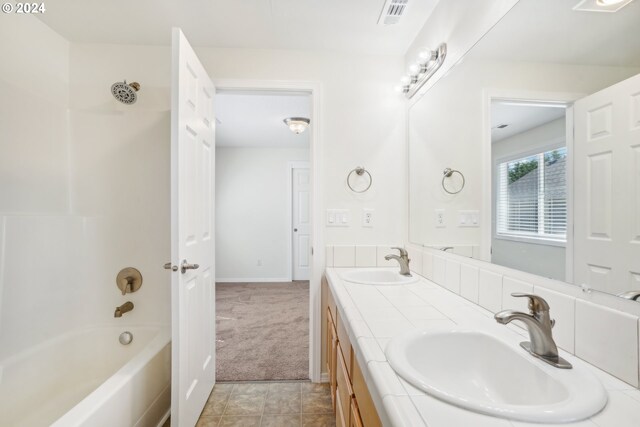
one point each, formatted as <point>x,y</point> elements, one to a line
<point>366,406</point>
<point>332,349</point>
<point>345,391</point>
<point>342,416</point>
<point>354,416</point>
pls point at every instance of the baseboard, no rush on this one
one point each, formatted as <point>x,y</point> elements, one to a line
<point>252,280</point>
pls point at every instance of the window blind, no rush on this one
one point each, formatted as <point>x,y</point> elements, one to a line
<point>532,196</point>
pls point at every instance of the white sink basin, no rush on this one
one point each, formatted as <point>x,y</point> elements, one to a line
<point>481,373</point>
<point>377,276</point>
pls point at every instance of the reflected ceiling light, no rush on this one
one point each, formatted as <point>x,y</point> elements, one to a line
<point>601,5</point>
<point>427,63</point>
<point>297,125</point>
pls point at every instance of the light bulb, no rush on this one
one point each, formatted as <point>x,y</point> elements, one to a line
<point>426,56</point>
<point>405,80</point>
<point>398,89</point>
<point>414,69</point>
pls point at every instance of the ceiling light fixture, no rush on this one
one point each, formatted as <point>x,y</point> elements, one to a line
<point>428,62</point>
<point>297,125</point>
<point>608,2</point>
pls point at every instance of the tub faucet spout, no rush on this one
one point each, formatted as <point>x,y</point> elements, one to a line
<point>127,306</point>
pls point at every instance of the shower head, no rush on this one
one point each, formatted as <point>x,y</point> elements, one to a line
<point>125,92</point>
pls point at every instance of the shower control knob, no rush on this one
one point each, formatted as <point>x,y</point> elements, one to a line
<point>168,266</point>
<point>186,266</point>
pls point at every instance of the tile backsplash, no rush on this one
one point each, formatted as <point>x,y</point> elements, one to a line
<point>599,334</point>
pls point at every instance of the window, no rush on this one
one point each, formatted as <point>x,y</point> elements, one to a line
<point>532,197</point>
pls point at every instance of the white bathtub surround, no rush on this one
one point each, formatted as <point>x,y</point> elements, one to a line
<point>400,404</point>
<point>87,378</point>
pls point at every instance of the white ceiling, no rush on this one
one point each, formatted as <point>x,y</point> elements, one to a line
<point>520,118</point>
<point>246,119</point>
<point>551,31</point>
<point>347,25</point>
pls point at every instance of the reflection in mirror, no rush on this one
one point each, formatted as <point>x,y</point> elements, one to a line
<point>555,192</point>
<point>529,173</point>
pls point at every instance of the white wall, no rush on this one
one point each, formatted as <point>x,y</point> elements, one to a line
<point>39,240</point>
<point>252,222</point>
<point>446,129</point>
<point>362,117</point>
<point>540,259</point>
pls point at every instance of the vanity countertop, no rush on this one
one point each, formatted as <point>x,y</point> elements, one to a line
<point>375,314</point>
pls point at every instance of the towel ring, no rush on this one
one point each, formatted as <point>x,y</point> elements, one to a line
<point>447,174</point>
<point>359,171</point>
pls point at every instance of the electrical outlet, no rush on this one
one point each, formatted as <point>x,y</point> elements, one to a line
<point>439,218</point>
<point>367,218</point>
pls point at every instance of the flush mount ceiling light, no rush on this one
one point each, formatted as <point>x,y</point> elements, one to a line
<point>297,125</point>
<point>601,5</point>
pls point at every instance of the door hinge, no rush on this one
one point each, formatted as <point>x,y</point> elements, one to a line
<point>311,250</point>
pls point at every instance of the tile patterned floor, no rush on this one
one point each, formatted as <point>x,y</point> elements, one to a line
<point>268,404</point>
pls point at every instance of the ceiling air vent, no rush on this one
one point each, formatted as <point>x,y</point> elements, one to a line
<point>392,11</point>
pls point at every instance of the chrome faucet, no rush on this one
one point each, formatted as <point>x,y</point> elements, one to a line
<point>127,306</point>
<point>539,324</point>
<point>403,260</point>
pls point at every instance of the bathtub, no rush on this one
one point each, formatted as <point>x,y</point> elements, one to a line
<point>87,378</point>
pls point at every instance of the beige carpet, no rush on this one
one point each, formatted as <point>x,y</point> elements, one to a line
<point>262,331</point>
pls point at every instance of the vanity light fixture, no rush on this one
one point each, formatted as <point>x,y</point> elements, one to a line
<point>297,125</point>
<point>426,65</point>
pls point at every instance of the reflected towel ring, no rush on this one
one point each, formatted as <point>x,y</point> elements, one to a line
<point>447,174</point>
<point>359,171</point>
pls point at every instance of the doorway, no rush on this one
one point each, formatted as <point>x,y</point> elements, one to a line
<point>530,171</point>
<point>263,235</point>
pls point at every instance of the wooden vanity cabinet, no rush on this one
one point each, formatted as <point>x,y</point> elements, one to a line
<point>331,356</point>
<point>349,393</point>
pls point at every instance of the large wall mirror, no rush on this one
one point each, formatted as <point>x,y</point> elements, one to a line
<point>542,118</point>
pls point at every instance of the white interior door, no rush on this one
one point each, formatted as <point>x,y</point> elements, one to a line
<point>192,240</point>
<point>607,188</point>
<point>301,223</point>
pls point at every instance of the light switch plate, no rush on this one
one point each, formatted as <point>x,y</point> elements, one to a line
<point>338,218</point>
<point>469,218</point>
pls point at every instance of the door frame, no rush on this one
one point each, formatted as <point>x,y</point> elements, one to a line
<point>486,216</point>
<point>290,167</point>
<point>314,89</point>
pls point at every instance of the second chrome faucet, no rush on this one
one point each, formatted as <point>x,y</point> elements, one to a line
<point>539,325</point>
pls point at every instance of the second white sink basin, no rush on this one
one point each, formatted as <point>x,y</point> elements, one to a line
<point>479,372</point>
<point>377,276</point>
